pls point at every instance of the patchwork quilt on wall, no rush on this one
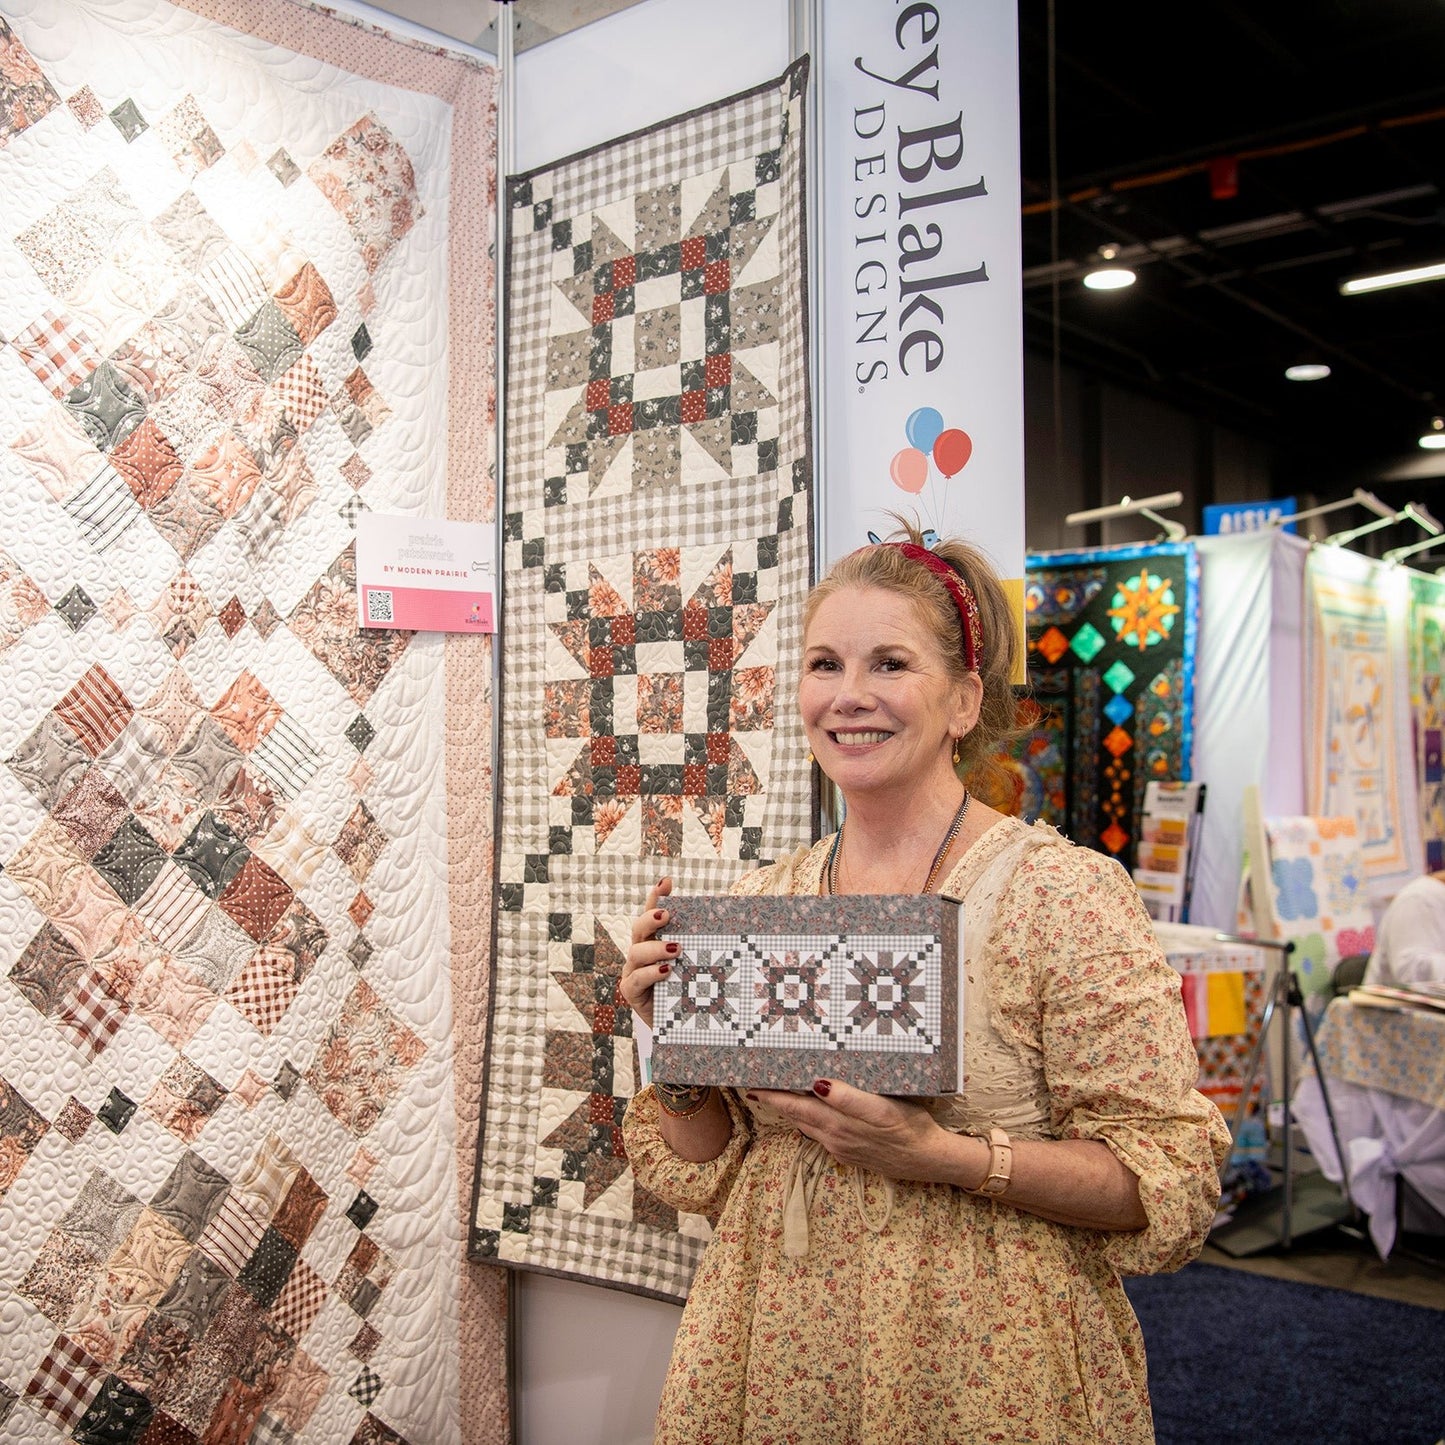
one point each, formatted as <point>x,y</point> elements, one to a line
<point>1359,758</point>
<point>657,550</point>
<point>1111,641</point>
<point>1427,704</point>
<point>1318,894</point>
<point>244,296</point>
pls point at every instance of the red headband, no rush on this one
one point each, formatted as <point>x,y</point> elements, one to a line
<point>962,595</point>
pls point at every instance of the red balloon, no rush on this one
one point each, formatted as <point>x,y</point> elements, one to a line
<point>952,450</point>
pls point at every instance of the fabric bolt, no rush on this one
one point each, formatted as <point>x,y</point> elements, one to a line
<point>656,552</point>
<point>958,1317</point>
<point>1112,634</point>
<point>221,221</point>
<point>1358,753</point>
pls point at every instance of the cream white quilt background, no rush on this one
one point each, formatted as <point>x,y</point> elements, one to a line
<point>231,318</point>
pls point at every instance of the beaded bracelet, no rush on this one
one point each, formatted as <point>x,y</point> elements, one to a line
<point>681,1101</point>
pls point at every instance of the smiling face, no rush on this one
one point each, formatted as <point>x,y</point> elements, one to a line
<point>877,701</point>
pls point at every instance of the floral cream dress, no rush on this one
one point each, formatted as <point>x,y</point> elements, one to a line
<point>835,1306</point>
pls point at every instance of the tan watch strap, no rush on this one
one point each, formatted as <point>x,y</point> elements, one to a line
<point>1000,1163</point>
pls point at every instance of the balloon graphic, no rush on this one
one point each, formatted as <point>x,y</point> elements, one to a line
<point>909,469</point>
<point>952,450</point>
<point>922,428</point>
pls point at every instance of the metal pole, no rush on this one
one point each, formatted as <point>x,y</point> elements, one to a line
<point>1286,1223</point>
<point>1329,1107</point>
<point>506,159</point>
<point>805,36</point>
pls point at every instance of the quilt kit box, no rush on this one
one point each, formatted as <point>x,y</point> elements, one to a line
<point>773,993</point>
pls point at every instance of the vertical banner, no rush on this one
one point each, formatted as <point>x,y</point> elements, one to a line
<point>922,356</point>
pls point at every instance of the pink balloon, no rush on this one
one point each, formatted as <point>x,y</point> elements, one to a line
<point>909,469</point>
<point>952,450</point>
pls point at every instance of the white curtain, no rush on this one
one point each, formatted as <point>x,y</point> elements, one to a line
<point>1248,721</point>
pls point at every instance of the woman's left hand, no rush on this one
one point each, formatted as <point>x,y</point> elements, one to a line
<point>890,1136</point>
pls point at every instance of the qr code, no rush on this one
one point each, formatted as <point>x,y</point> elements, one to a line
<point>378,607</point>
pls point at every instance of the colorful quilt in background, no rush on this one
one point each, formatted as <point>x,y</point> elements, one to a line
<point>1427,703</point>
<point>1318,894</point>
<point>1359,756</point>
<point>1111,640</point>
<point>656,555</point>
<point>230,1191</point>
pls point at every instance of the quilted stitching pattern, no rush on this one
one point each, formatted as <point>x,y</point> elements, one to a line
<point>199,341</point>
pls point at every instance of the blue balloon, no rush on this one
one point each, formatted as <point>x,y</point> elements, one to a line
<point>923,428</point>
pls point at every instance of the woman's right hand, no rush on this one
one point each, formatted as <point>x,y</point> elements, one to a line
<point>648,958</point>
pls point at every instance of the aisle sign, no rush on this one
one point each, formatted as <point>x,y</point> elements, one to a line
<point>1231,518</point>
<point>921,327</point>
<point>424,573</point>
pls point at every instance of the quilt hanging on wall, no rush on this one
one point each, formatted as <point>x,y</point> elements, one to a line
<point>656,554</point>
<point>1318,895</point>
<point>1111,641</point>
<point>244,287</point>
<point>1427,704</point>
<point>1359,755</point>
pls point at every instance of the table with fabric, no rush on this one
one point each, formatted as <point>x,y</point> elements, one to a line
<point>1385,1070</point>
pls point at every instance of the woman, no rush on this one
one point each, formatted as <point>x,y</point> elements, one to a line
<point>940,1270</point>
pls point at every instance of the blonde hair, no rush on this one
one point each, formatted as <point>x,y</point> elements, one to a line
<point>889,570</point>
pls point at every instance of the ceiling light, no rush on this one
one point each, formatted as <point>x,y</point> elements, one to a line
<point>1383,280</point>
<point>1307,371</point>
<point>1434,437</point>
<point>1109,278</point>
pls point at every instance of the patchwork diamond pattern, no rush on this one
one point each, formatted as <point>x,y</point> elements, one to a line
<point>1111,649</point>
<point>204,330</point>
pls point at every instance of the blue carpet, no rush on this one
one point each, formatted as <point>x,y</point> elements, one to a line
<point>1237,1356</point>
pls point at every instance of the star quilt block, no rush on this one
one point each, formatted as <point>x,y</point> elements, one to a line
<point>656,553</point>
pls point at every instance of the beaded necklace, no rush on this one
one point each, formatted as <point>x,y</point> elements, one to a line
<point>949,838</point>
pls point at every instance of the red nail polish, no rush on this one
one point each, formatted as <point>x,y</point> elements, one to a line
<point>664,968</point>
<point>822,1088</point>
<point>750,1095</point>
<point>672,947</point>
<point>657,917</point>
